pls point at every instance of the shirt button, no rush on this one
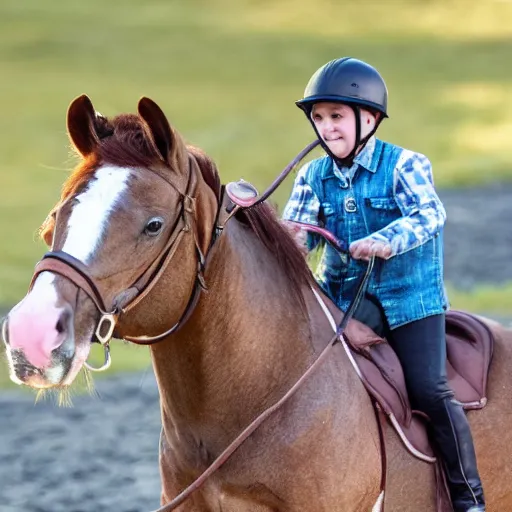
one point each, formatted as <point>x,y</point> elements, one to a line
<point>344,185</point>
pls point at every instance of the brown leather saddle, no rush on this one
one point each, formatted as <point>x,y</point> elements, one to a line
<point>469,350</point>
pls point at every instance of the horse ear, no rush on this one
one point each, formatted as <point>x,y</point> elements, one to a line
<point>168,143</point>
<point>81,125</point>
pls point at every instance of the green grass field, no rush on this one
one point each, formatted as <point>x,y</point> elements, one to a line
<point>227,73</point>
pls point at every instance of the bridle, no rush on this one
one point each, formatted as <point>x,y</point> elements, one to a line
<point>241,196</point>
<point>74,270</point>
<point>77,272</point>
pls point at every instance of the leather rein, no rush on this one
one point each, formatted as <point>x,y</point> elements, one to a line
<point>77,272</point>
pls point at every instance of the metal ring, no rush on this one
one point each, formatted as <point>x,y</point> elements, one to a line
<point>106,363</point>
<point>107,317</point>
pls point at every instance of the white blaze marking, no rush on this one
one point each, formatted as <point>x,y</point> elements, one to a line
<point>42,296</point>
<point>90,215</point>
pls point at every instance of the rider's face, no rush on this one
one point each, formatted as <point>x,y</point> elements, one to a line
<point>336,125</point>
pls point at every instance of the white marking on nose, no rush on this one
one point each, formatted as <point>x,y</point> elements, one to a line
<point>42,295</point>
<point>89,217</point>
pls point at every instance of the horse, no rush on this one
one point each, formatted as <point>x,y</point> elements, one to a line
<point>230,312</point>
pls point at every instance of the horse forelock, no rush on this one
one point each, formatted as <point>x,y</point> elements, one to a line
<point>124,142</point>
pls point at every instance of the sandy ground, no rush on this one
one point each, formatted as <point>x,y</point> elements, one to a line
<point>102,454</point>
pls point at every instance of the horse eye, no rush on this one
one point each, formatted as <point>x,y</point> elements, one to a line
<point>153,227</point>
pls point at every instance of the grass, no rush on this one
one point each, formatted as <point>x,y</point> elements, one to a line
<point>227,73</point>
<point>491,300</point>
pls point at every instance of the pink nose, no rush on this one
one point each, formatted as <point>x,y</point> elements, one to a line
<point>38,332</point>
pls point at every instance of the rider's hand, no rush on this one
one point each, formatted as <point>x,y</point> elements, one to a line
<point>365,248</point>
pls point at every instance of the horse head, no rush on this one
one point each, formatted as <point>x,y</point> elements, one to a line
<point>138,199</point>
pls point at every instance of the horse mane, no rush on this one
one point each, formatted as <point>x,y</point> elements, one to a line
<point>265,224</point>
<point>263,221</point>
<point>124,142</point>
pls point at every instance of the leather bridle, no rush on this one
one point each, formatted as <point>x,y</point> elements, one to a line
<point>77,272</point>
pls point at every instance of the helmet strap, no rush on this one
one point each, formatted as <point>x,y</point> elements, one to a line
<point>359,143</point>
<point>348,161</point>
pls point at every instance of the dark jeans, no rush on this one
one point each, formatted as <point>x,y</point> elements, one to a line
<point>421,348</point>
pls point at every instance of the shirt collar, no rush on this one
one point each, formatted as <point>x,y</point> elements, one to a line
<point>364,159</point>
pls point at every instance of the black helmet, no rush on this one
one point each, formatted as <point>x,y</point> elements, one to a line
<point>346,80</point>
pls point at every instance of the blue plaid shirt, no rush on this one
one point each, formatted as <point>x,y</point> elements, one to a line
<point>423,214</point>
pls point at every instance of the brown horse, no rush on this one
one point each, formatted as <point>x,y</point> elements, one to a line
<point>133,224</point>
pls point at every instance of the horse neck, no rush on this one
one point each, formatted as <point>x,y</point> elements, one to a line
<point>247,342</point>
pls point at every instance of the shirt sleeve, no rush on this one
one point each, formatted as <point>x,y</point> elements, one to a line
<point>303,205</point>
<point>423,214</point>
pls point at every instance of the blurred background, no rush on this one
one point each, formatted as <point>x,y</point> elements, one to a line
<point>227,73</point>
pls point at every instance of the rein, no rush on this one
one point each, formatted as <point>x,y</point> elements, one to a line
<point>75,271</point>
<point>226,454</point>
<point>243,196</point>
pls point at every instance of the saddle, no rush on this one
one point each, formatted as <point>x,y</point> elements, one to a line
<point>469,353</point>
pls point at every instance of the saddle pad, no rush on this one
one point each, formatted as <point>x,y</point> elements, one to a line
<point>469,350</point>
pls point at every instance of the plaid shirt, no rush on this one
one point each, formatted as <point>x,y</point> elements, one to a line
<point>423,214</point>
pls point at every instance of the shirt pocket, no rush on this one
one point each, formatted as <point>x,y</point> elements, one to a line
<point>380,211</point>
<point>382,203</point>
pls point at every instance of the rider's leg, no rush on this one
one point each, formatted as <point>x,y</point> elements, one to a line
<point>421,348</point>
<point>370,313</point>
